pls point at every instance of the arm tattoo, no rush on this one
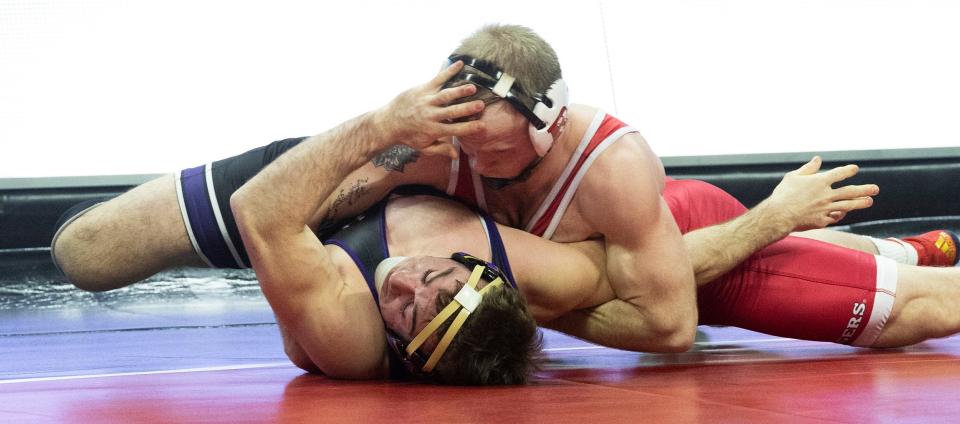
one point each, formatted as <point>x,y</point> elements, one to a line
<point>395,157</point>
<point>345,195</point>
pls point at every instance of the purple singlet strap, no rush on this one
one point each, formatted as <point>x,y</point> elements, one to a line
<point>203,222</point>
<point>497,249</point>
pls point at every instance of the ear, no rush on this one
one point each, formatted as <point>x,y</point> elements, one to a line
<point>552,116</point>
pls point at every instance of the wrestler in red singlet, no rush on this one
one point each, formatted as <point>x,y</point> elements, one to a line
<point>796,287</point>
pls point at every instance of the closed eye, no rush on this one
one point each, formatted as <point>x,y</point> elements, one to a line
<point>426,281</point>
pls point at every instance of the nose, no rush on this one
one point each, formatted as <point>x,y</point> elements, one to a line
<point>403,284</point>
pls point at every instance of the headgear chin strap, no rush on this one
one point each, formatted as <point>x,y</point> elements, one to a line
<point>547,112</point>
<point>465,302</point>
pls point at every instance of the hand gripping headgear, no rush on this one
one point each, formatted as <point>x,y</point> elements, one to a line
<point>545,111</point>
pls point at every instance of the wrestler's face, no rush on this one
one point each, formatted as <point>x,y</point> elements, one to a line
<point>503,149</point>
<point>408,294</point>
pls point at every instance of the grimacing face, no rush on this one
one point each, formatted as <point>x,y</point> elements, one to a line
<point>503,149</point>
<point>408,294</point>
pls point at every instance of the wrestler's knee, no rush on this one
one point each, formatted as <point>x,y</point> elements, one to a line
<point>73,252</point>
<point>926,307</point>
<point>86,254</point>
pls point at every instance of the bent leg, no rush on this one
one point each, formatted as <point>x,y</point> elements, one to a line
<point>805,289</point>
<point>927,306</point>
<point>126,239</point>
<point>840,238</point>
<point>934,248</point>
<point>175,220</point>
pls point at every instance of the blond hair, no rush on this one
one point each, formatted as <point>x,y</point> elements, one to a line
<point>518,51</point>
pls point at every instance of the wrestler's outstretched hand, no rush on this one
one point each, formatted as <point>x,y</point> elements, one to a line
<point>807,198</point>
<point>422,115</point>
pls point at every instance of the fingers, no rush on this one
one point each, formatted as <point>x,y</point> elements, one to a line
<point>811,167</point>
<point>836,216</point>
<point>852,204</point>
<point>461,110</point>
<point>841,173</point>
<point>446,73</point>
<point>448,95</point>
<point>855,191</point>
<point>441,148</point>
<point>462,129</point>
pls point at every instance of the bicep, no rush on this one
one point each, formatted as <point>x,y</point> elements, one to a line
<point>644,248</point>
<point>647,264</point>
<point>650,250</point>
<point>335,325</point>
<point>656,307</point>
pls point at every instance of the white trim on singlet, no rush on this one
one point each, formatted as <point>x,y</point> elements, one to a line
<point>912,257</point>
<point>486,232</point>
<point>208,171</point>
<point>883,299</point>
<point>572,189</point>
<point>454,169</point>
<point>578,177</point>
<point>587,136</point>
<point>186,219</point>
<point>478,188</point>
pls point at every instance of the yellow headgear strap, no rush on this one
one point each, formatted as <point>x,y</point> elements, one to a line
<point>465,301</point>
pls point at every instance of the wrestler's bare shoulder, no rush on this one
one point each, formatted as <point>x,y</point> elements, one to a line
<point>626,170</point>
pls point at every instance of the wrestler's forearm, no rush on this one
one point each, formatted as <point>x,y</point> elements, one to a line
<point>715,250</point>
<point>804,199</point>
<point>417,121</point>
<point>617,324</point>
<point>287,193</point>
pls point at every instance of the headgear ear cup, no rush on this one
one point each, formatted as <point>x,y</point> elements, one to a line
<point>559,97</point>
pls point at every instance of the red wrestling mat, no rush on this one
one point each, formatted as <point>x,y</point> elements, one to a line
<point>202,346</point>
<point>732,376</point>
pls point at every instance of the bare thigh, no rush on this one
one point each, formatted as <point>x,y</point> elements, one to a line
<point>127,239</point>
<point>927,306</point>
<point>839,238</point>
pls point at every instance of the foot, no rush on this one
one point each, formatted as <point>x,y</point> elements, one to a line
<point>936,248</point>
